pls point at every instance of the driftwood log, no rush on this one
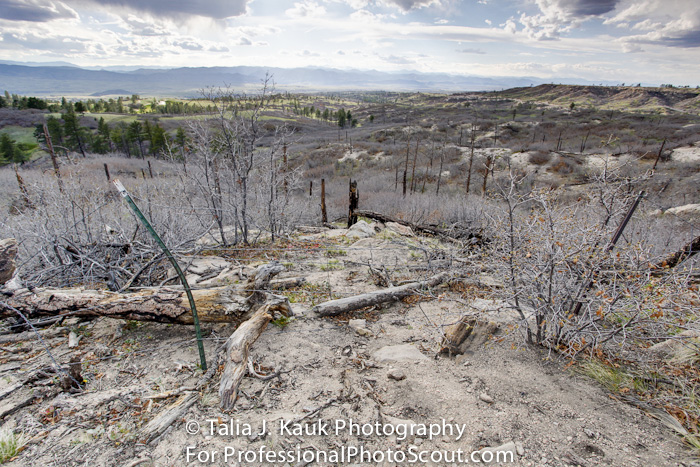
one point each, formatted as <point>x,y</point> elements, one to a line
<point>163,305</point>
<point>341,305</point>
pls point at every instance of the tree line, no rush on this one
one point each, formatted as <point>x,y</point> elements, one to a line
<point>135,139</point>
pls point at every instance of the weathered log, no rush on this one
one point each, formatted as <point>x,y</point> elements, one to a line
<point>163,305</point>
<point>8,253</point>
<point>341,305</point>
<point>426,229</point>
<point>238,347</point>
<point>288,283</point>
<point>674,259</point>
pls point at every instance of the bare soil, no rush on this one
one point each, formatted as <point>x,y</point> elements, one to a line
<point>503,393</point>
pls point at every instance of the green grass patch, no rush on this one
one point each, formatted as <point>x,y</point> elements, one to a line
<point>11,444</point>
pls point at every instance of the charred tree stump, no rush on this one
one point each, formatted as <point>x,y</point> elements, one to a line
<point>354,203</point>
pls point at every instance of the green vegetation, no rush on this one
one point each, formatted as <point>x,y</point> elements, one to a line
<point>10,444</point>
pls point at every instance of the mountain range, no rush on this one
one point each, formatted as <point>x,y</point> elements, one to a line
<point>65,79</point>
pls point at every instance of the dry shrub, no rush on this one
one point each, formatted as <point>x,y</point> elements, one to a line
<point>539,157</point>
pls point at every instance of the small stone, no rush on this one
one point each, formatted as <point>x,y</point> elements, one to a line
<point>519,448</point>
<point>400,353</point>
<point>569,438</point>
<point>418,441</point>
<point>589,433</point>
<point>73,340</point>
<point>396,375</point>
<point>486,398</point>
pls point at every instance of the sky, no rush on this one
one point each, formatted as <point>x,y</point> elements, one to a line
<point>627,41</point>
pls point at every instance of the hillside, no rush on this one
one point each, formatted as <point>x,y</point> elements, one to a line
<point>609,97</point>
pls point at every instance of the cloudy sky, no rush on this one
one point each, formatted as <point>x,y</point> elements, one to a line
<point>653,41</point>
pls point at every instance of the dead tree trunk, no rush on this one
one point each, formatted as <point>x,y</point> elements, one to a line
<point>163,305</point>
<point>335,307</point>
<point>353,204</point>
<point>324,215</point>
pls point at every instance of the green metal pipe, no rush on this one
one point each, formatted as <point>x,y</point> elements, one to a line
<point>183,279</point>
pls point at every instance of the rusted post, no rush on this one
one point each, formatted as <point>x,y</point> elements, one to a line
<point>608,248</point>
<point>471,158</point>
<point>54,161</point>
<point>658,157</point>
<point>324,216</point>
<point>311,188</point>
<point>150,169</point>
<point>107,172</point>
<point>354,202</point>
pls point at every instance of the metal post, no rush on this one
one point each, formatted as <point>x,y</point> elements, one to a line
<point>183,279</point>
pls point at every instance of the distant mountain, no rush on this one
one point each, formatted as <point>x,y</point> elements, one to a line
<point>67,80</point>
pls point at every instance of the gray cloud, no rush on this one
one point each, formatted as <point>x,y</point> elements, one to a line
<point>35,10</point>
<point>471,51</point>
<point>178,9</point>
<point>188,45</point>
<point>398,60</point>
<point>408,5</point>
<point>586,7</point>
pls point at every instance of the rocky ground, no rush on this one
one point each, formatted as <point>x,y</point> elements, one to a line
<point>379,370</point>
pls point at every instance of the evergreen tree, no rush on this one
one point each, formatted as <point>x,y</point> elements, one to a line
<point>75,136</point>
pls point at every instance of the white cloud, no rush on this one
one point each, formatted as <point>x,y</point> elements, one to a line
<point>306,9</point>
<point>674,23</point>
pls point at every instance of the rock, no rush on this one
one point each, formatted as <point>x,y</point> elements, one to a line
<point>360,327</point>
<point>685,210</point>
<point>396,374</point>
<point>519,448</point>
<point>486,398</point>
<point>360,229</point>
<point>396,422</point>
<point>8,255</point>
<point>399,353</point>
<point>671,346</point>
<point>73,340</point>
<point>503,454</point>
<point>404,230</point>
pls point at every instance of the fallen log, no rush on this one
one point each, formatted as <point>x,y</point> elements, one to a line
<point>163,305</point>
<point>671,261</point>
<point>475,238</point>
<point>238,347</point>
<point>341,305</point>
